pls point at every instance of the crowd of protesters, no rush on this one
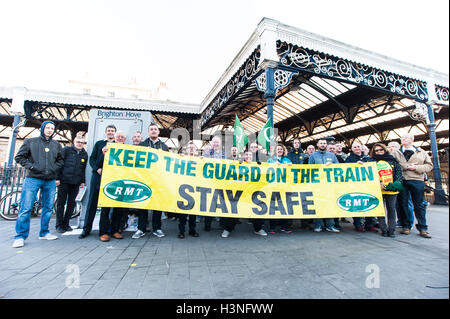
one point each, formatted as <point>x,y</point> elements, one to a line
<point>50,166</point>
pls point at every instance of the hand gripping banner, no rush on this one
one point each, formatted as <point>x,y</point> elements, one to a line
<point>146,178</point>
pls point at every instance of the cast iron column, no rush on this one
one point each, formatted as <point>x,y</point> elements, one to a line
<point>439,194</point>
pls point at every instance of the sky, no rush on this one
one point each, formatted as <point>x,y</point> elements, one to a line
<point>189,44</point>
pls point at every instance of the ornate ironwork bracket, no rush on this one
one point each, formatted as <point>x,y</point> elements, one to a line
<point>282,79</point>
<point>419,113</point>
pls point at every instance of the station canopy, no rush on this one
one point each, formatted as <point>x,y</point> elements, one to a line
<point>70,112</point>
<point>326,88</point>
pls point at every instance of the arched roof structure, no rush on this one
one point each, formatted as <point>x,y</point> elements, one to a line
<point>325,88</point>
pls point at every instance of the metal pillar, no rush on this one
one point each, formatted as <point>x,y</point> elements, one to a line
<point>270,93</point>
<point>439,194</point>
<point>12,140</point>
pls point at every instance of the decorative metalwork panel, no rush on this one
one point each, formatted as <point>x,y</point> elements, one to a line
<point>282,78</point>
<point>419,113</point>
<point>343,70</point>
<point>242,77</point>
<point>442,93</point>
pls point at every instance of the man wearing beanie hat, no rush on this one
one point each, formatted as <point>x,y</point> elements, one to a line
<point>42,158</point>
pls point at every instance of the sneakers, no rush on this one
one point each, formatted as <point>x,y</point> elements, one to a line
<point>261,232</point>
<point>225,234</point>
<point>286,230</point>
<point>158,233</point>
<point>360,229</point>
<point>181,235</point>
<point>19,242</point>
<point>48,236</point>
<point>425,234</point>
<point>272,231</point>
<point>138,234</point>
<point>318,229</point>
<point>333,230</point>
<point>389,234</point>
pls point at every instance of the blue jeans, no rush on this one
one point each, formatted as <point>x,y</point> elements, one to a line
<point>416,189</point>
<point>31,187</point>
<point>329,222</point>
<point>410,212</point>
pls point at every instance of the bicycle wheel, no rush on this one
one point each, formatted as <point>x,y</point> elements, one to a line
<point>9,205</point>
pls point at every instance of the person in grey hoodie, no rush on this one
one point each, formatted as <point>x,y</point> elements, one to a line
<point>326,158</point>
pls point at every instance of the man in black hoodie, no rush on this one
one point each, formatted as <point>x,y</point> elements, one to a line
<point>42,158</point>
<point>70,179</point>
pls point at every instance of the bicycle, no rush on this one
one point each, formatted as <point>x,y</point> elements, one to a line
<point>10,205</point>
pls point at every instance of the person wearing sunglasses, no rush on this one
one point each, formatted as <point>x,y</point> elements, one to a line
<point>391,178</point>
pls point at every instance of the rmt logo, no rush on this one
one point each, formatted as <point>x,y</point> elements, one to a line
<point>127,191</point>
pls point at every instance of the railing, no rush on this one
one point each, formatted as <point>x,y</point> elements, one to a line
<point>11,179</point>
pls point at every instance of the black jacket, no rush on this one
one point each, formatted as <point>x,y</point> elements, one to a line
<point>158,144</point>
<point>298,157</point>
<point>74,169</point>
<point>341,157</point>
<point>42,158</point>
<point>353,158</point>
<point>96,153</point>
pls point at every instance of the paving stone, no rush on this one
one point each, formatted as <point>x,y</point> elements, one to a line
<point>299,265</point>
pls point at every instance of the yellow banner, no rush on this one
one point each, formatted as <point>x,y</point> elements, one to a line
<point>146,178</point>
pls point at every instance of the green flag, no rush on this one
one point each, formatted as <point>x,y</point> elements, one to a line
<point>240,139</point>
<point>265,136</point>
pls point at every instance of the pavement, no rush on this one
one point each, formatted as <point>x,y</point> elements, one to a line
<point>300,265</point>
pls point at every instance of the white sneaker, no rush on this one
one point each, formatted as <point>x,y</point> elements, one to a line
<point>49,236</point>
<point>138,234</point>
<point>261,232</point>
<point>159,233</point>
<point>19,242</point>
<point>225,234</point>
